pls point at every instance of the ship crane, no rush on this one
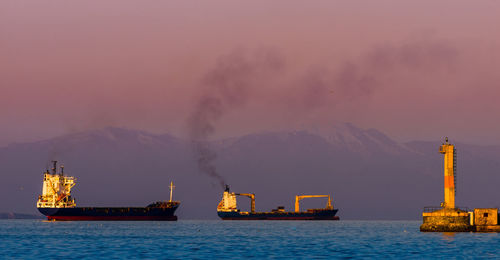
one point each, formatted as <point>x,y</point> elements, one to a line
<point>300,197</point>
<point>252,200</point>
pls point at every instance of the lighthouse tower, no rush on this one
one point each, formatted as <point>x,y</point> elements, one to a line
<point>450,167</point>
<point>447,218</point>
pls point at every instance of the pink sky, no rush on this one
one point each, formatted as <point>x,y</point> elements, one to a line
<point>415,70</point>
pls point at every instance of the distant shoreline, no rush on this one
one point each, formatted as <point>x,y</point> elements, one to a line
<point>12,215</point>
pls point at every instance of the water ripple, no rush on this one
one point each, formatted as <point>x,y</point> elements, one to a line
<point>237,239</point>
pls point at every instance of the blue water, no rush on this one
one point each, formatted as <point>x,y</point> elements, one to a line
<point>237,239</point>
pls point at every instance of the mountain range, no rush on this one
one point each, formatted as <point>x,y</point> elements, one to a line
<point>369,174</point>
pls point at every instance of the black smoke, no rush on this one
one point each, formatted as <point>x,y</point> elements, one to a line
<point>226,87</point>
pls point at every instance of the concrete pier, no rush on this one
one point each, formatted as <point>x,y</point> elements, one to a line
<point>446,220</point>
<point>486,220</point>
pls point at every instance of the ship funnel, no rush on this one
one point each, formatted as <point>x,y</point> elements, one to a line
<point>54,168</point>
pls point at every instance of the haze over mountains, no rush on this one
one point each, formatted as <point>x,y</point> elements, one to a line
<point>370,175</point>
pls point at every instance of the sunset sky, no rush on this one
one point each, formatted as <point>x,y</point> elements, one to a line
<point>412,69</point>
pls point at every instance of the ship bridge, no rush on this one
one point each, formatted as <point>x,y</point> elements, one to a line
<point>56,191</point>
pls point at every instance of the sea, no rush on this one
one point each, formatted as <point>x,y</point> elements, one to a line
<point>216,239</point>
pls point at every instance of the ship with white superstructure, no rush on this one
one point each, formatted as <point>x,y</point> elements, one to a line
<point>57,203</point>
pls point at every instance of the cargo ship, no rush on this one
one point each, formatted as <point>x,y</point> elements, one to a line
<point>228,210</point>
<point>57,203</point>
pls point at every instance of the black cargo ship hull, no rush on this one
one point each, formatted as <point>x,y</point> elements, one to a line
<point>317,215</point>
<point>113,213</point>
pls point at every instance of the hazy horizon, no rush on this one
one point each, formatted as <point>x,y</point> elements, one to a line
<point>323,132</point>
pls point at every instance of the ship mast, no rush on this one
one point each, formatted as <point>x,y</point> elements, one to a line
<point>171,190</point>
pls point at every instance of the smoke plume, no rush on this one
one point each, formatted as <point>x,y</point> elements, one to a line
<point>364,75</point>
<point>226,87</point>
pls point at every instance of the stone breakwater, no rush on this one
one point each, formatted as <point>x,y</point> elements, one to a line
<point>446,220</point>
<point>456,220</point>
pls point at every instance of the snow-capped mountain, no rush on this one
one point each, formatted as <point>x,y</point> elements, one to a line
<point>370,175</point>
